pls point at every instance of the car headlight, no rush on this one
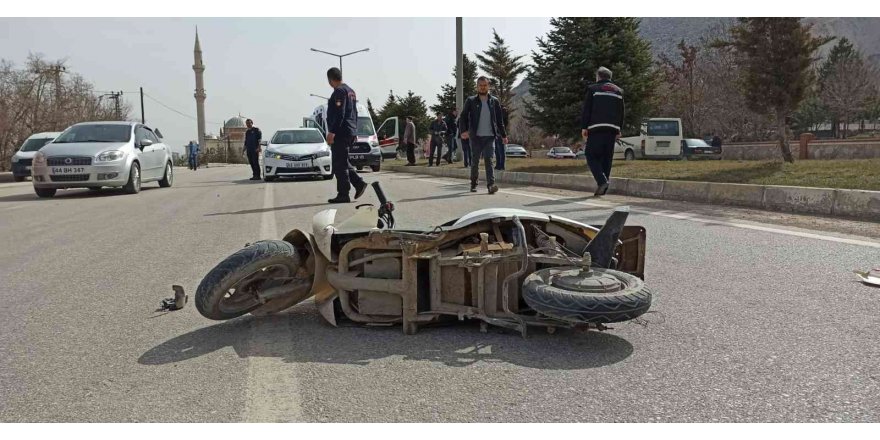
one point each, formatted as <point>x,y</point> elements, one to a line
<point>322,153</point>
<point>110,156</point>
<point>270,154</point>
<point>39,157</point>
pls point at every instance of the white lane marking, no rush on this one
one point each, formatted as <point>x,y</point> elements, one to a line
<point>273,391</point>
<point>689,216</point>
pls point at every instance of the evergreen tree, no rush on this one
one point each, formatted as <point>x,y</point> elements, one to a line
<point>503,69</point>
<point>446,97</point>
<point>566,62</point>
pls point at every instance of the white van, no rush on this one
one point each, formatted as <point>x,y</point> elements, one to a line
<point>660,138</point>
<point>365,151</point>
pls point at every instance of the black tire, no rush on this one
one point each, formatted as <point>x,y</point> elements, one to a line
<point>375,168</point>
<point>45,193</point>
<point>168,178</point>
<point>134,180</point>
<point>18,178</point>
<point>629,155</point>
<point>632,300</point>
<point>211,300</point>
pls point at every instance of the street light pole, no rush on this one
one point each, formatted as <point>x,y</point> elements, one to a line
<point>340,56</point>
<point>318,96</point>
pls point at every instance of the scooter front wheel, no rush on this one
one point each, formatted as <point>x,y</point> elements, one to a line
<point>230,289</point>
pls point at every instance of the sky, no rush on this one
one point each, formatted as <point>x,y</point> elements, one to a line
<point>259,68</point>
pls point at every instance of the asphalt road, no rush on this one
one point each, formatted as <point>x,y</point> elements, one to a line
<point>759,318</point>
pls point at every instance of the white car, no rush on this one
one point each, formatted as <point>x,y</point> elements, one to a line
<point>21,160</point>
<point>514,150</point>
<point>560,153</point>
<point>294,152</point>
<point>97,154</point>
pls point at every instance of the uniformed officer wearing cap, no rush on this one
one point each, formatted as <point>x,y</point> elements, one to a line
<point>601,120</point>
<point>341,134</point>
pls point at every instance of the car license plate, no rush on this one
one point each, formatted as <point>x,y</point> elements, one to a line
<point>357,156</point>
<point>68,170</point>
<point>300,164</point>
<point>662,144</point>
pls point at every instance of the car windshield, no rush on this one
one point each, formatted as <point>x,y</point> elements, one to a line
<point>514,147</point>
<point>696,143</point>
<point>35,144</point>
<point>562,150</point>
<point>662,128</point>
<point>95,133</point>
<point>365,126</point>
<point>297,137</point>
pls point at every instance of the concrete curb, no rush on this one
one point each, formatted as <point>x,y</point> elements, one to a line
<point>825,201</point>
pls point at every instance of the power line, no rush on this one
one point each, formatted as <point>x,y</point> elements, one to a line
<point>177,111</point>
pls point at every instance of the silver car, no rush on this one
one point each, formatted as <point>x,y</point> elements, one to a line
<point>102,154</point>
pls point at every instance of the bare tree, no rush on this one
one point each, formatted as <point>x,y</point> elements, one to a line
<point>44,96</point>
<point>851,88</point>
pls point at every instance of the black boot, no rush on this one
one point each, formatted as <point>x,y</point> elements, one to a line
<point>339,199</point>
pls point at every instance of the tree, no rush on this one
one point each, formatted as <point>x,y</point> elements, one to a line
<point>776,54</point>
<point>446,97</point>
<point>566,62</point>
<point>847,84</point>
<point>373,115</point>
<point>503,69</point>
<point>44,96</point>
<point>810,114</point>
<point>409,105</point>
<point>687,89</point>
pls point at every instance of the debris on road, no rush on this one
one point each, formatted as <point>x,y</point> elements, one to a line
<point>175,303</point>
<point>871,277</point>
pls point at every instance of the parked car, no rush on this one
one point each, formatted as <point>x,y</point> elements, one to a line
<point>560,153</point>
<point>699,149</point>
<point>21,160</point>
<point>297,152</point>
<point>102,154</point>
<point>622,150</point>
<point>514,150</point>
<point>659,138</point>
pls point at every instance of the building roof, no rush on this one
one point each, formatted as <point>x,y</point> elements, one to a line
<point>235,122</point>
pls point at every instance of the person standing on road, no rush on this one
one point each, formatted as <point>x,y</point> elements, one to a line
<point>601,121</point>
<point>465,145</point>
<point>438,129</point>
<point>451,134</point>
<point>252,148</point>
<point>341,135</point>
<point>409,139</point>
<point>481,122</point>
<point>193,153</point>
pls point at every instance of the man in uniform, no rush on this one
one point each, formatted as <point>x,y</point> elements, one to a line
<point>601,120</point>
<point>341,134</point>
<point>451,129</point>
<point>252,147</point>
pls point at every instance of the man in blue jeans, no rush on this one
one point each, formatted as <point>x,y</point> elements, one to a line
<point>481,122</point>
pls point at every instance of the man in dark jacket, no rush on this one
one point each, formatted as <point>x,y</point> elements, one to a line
<point>481,122</point>
<point>438,129</point>
<point>341,134</point>
<point>252,147</point>
<point>601,121</point>
<point>451,129</point>
<point>501,147</point>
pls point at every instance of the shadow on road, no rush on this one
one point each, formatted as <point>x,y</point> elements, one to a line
<point>303,338</point>
<point>71,194</point>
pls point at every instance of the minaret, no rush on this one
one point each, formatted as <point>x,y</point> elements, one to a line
<point>199,69</point>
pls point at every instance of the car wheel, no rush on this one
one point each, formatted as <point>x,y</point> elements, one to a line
<point>375,168</point>
<point>168,179</point>
<point>629,155</point>
<point>45,192</point>
<point>134,180</point>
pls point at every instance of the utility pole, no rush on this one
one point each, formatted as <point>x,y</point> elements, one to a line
<point>115,97</point>
<point>55,70</point>
<point>143,119</point>
<point>459,66</point>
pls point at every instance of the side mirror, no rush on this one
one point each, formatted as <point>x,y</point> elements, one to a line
<point>264,143</point>
<point>146,143</point>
